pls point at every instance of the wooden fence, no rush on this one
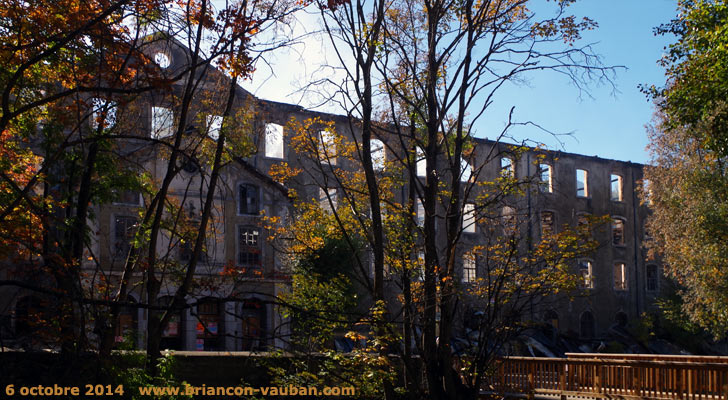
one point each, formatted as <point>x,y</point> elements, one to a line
<point>610,378</point>
<point>649,357</point>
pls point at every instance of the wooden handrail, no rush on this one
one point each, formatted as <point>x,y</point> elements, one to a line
<point>610,377</point>
<point>650,357</point>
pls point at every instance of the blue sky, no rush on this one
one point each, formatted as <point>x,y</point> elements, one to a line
<point>607,124</point>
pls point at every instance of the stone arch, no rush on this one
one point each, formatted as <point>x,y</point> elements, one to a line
<point>586,325</point>
<point>620,319</point>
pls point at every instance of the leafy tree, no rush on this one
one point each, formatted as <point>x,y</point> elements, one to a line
<point>73,77</point>
<point>428,70</point>
<point>688,187</point>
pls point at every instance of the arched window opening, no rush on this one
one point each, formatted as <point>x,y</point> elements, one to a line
<point>586,325</point>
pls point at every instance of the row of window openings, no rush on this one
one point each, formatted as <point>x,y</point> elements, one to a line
<point>104,111</point>
<point>586,322</point>
<point>547,221</point>
<point>210,326</point>
<point>248,243</point>
<point>469,274</point>
<point>619,274</point>
<point>163,126</point>
<point>615,185</point>
<point>248,199</point>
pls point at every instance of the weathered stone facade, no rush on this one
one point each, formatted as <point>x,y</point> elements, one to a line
<point>621,284</point>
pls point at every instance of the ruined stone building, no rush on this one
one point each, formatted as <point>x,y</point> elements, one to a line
<point>618,282</point>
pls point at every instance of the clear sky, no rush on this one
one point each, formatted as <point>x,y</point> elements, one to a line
<point>608,124</point>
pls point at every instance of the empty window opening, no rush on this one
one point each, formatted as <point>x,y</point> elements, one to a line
<point>128,197</point>
<point>620,276</point>
<point>547,223</point>
<point>187,247</point>
<point>510,221</point>
<point>615,188</point>
<point>546,178</point>
<point>507,168</point>
<point>587,277</point>
<point>103,112</point>
<point>327,147</point>
<point>124,230</point>
<point>646,192</point>
<point>618,232</point>
<point>214,124</point>
<point>273,141</point>
<point>162,122</point>
<point>328,199</point>
<point>420,213</point>
<point>379,154</point>
<point>469,218</point>
<point>248,199</point>
<point>582,183</point>
<point>421,163</point>
<point>466,171</point>
<point>419,273</point>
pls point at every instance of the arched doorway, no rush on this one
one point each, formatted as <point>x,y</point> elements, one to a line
<point>621,319</point>
<point>127,325</point>
<point>253,325</point>
<point>551,318</point>
<point>173,332</point>
<point>586,325</point>
<point>30,320</point>
<point>210,325</point>
<point>28,315</point>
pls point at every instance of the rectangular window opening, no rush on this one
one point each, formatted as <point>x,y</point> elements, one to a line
<point>547,223</point>
<point>162,122</point>
<point>214,124</point>
<point>615,189</point>
<point>546,178</point>
<point>273,141</point>
<point>582,183</point>
<point>469,269</point>
<point>652,276</point>
<point>469,218</point>
<point>248,200</point>
<point>618,232</point>
<point>124,230</point>
<point>249,247</point>
<point>587,278</point>
<point>420,213</point>
<point>620,276</point>
<point>327,147</point>
<point>507,167</point>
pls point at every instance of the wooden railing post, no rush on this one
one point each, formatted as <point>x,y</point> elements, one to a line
<point>531,380</point>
